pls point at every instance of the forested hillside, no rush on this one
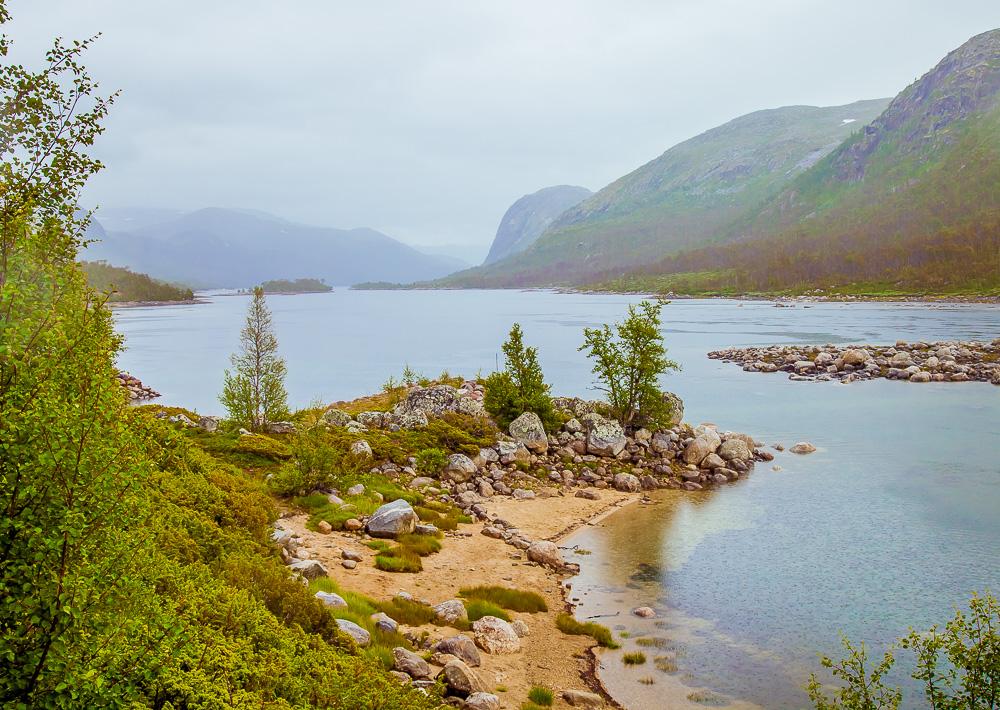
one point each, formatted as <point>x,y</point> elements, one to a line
<point>124,285</point>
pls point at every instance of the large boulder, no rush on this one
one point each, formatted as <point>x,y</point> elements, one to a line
<point>310,569</point>
<point>410,663</point>
<point>336,417</point>
<point>434,400</point>
<point>392,520</point>
<point>583,699</point>
<point>662,441</point>
<point>372,420</point>
<point>360,635</point>
<point>546,553</point>
<point>605,437</point>
<point>703,445</point>
<point>735,449</point>
<point>496,636</point>
<point>513,452</point>
<point>461,680</point>
<point>362,449</point>
<point>460,468</point>
<point>855,357</point>
<point>481,701</point>
<point>332,600</point>
<point>627,483</point>
<point>461,647</point>
<point>528,430</point>
<point>451,611</point>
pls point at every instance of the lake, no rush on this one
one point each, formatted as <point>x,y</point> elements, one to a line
<point>891,523</point>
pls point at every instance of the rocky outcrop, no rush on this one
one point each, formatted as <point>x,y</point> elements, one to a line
<point>392,520</point>
<point>496,636</point>
<point>137,391</point>
<point>529,430</point>
<point>945,361</point>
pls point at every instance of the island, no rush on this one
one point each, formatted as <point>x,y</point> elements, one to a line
<point>285,286</point>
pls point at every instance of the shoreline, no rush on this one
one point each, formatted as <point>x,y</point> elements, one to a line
<point>147,304</point>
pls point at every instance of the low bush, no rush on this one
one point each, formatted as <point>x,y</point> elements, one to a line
<point>513,599</point>
<point>430,461</point>
<point>634,658</point>
<point>477,609</point>
<point>540,695</point>
<point>601,634</point>
<point>398,559</point>
<point>422,545</point>
<point>263,446</point>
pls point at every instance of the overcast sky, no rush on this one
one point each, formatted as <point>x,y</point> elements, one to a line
<point>426,119</point>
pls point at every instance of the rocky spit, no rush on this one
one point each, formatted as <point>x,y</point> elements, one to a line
<point>944,361</point>
<point>137,391</point>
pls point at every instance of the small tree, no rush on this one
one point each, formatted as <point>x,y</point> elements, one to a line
<point>520,387</point>
<point>969,678</point>
<point>254,394</point>
<point>628,362</point>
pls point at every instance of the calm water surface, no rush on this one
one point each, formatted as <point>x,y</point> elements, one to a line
<point>894,521</point>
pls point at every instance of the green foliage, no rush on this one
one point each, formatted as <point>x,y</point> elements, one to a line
<point>513,599</point>
<point>422,545</point>
<point>263,446</point>
<point>123,285</point>
<point>628,363</point>
<point>430,462</point>
<point>478,608</point>
<point>541,695</point>
<point>254,392</point>
<point>296,286</point>
<point>601,634</point>
<point>520,387</point>
<point>398,559</point>
<point>958,667</point>
<point>634,658</point>
<point>408,612</point>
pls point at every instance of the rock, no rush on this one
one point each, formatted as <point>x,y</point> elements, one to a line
<point>644,612</point>
<point>901,359</point>
<point>183,420</point>
<point>734,448</point>
<point>335,601</point>
<point>461,680</point>
<point>336,417</point>
<point>712,461</point>
<point>470,406</point>
<point>362,449</point>
<point>520,628</point>
<point>487,456</point>
<point>392,520</point>
<point>356,490</point>
<point>481,701</point>
<point>495,533</point>
<point>855,357</point>
<point>410,663</point>
<point>662,442</point>
<point>803,447</point>
<point>513,452</point>
<point>372,420</point>
<point>523,494</point>
<point>209,424</point>
<point>360,635</point>
<point>495,636</point>
<point>583,699</point>
<point>349,564</point>
<point>451,611</point>
<point>351,555</point>
<point>434,400</point>
<point>353,525</point>
<point>546,553</point>
<point>588,493</point>
<point>920,377</point>
<point>528,430</point>
<point>460,468</point>
<point>486,489</point>
<point>280,428</point>
<point>310,569</point>
<point>425,529</point>
<point>421,481</point>
<point>702,446</point>
<point>384,622</point>
<point>411,420</point>
<point>676,408</point>
<point>605,437</point>
<point>461,647</point>
<point>627,483</point>
<point>324,527</point>
<point>573,426</point>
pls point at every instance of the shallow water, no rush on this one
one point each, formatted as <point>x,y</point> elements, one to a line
<point>893,522</point>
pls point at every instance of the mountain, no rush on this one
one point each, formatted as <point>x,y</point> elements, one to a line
<point>685,197</point>
<point>230,248</point>
<point>910,203</point>
<point>531,215</point>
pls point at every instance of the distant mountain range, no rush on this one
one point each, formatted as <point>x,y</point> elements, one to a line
<point>526,220</point>
<point>903,193</point>
<point>231,248</point>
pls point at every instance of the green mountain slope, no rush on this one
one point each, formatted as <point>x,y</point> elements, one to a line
<point>687,196</point>
<point>124,285</point>
<point>910,203</point>
<point>528,217</point>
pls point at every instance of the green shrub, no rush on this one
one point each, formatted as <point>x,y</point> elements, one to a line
<point>540,695</point>
<point>601,634</point>
<point>398,559</point>
<point>422,545</point>
<point>513,599</point>
<point>263,446</point>
<point>430,462</point>
<point>478,608</point>
<point>634,658</point>
<point>408,611</point>
<point>520,387</point>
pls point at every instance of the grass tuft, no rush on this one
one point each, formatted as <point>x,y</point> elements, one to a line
<point>513,599</point>
<point>634,658</point>
<point>601,634</point>
<point>478,608</point>
<point>540,695</point>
